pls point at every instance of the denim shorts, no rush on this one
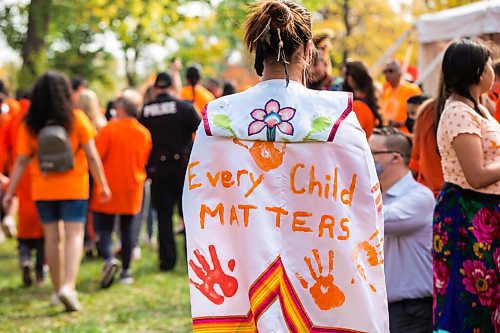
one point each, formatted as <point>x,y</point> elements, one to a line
<point>66,210</point>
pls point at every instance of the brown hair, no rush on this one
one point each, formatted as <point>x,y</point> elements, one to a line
<point>396,140</point>
<point>276,29</point>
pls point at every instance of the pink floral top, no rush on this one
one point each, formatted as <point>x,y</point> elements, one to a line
<point>459,118</point>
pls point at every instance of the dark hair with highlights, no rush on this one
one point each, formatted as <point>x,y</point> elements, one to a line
<point>276,29</point>
<point>50,103</point>
<point>364,82</point>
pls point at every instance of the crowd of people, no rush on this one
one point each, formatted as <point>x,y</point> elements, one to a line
<point>437,159</point>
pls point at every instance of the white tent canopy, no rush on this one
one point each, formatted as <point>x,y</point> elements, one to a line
<point>437,30</point>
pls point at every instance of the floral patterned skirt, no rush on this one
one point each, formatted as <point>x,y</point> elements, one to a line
<point>466,261</point>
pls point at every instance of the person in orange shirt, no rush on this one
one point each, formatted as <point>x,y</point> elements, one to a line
<point>365,105</point>
<point>395,94</point>
<point>59,196</point>
<point>30,232</point>
<point>425,160</point>
<point>8,108</point>
<point>124,146</point>
<point>195,92</point>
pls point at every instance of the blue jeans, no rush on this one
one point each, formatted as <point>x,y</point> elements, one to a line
<point>66,210</point>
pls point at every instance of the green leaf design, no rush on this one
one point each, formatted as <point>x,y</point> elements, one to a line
<point>224,122</point>
<point>319,124</point>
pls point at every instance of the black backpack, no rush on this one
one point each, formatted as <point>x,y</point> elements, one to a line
<point>54,149</point>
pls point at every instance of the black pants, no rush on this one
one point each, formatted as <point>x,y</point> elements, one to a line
<point>105,225</point>
<point>25,246</point>
<point>412,315</point>
<point>165,194</point>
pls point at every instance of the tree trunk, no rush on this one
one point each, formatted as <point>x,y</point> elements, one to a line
<point>348,29</point>
<point>33,48</point>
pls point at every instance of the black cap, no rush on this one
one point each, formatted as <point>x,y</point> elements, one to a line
<point>163,80</point>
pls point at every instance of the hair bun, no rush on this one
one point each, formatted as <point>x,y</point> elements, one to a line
<point>279,13</point>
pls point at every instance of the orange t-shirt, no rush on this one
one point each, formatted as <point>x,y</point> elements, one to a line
<point>393,101</point>
<point>10,109</point>
<point>69,185</point>
<point>29,225</point>
<point>124,146</point>
<point>202,96</point>
<point>365,116</point>
<point>424,157</point>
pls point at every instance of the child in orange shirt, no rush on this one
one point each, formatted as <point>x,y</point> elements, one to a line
<point>124,146</point>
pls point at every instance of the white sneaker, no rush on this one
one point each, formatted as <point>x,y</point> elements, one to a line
<point>9,226</point>
<point>110,270</point>
<point>69,298</point>
<point>136,253</point>
<point>54,299</point>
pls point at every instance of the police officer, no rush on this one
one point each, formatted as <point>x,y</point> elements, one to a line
<point>171,123</point>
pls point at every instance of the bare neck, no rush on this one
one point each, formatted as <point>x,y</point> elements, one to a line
<point>274,70</point>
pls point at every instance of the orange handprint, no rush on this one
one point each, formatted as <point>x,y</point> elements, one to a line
<point>265,154</point>
<point>324,292</point>
<point>371,256</point>
<point>211,277</point>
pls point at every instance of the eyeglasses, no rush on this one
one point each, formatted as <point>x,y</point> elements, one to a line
<point>386,152</point>
<point>388,71</point>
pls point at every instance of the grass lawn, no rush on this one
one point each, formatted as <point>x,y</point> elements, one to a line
<point>156,302</point>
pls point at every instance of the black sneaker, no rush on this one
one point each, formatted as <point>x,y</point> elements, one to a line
<point>26,270</point>
<point>109,272</point>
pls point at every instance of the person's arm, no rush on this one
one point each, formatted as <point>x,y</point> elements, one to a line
<point>175,70</point>
<point>19,167</point>
<point>97,170</point>
<point>409,213</point>
<point>4,180</point>
<point>469,152</point>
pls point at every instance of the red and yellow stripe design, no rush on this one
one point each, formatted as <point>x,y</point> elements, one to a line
<point>272,284</point>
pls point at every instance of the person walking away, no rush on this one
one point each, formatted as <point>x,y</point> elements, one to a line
<point>60,196</point>
<point>124,146</point>
<point>171,123</point>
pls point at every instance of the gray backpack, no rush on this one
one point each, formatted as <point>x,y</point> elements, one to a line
<point>54,149</point>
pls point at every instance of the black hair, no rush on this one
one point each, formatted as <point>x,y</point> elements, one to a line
<point>228,89</point>
<point>417,99</point>
<point>193,76</point>
<point>50,103</point>
<point>463,64</point>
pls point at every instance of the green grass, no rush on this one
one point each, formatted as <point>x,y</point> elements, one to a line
<point>156,302</point>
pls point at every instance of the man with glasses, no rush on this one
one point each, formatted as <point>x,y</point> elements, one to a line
<point>395,94</point>
<point>408,211</point>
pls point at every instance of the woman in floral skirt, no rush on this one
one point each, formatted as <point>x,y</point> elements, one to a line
<point>467,215</point>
